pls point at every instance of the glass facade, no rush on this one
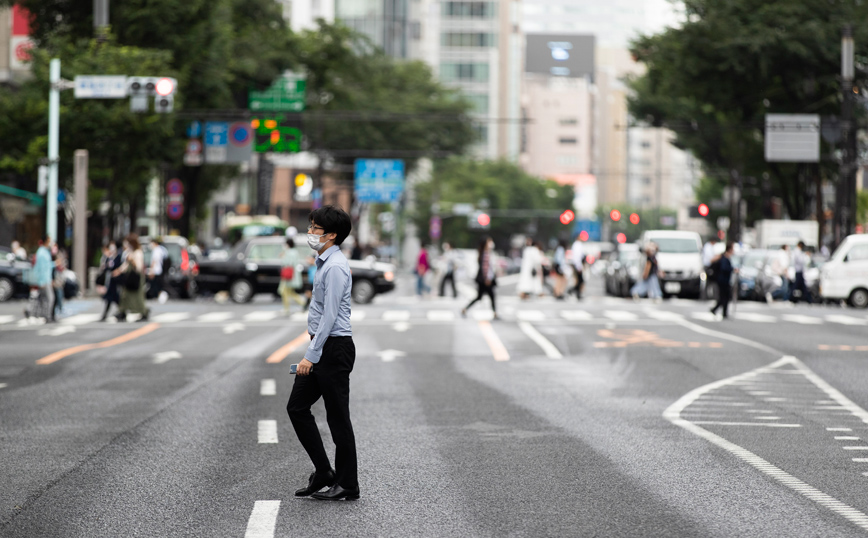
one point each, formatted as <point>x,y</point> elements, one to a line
<point>470,10</point>
<point>385,22</point>
<point>468,39</point>
<point>464,72</point>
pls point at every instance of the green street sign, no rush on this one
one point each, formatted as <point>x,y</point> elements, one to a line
<point>286,94</point>
<point>276,134</point>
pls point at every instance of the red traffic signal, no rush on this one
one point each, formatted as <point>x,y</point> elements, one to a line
<point>621,238</point>
<point>483,219</point>
<point>165,86</point>
<point>567,217</point>
<point>703,210</point>
<point>634,218</point>
<point>584,235</point>
<point>615,215</point>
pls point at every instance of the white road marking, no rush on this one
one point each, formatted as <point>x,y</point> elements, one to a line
<point>396,315</point>
<point>401,326</point>
<point>357,315</point>
<point>550,349</point>
<point>3,385</point>
<point>855,447</point>
<point>530,315</point>
<point>768,418</point>
<point>233,328</point>
<point>389,355</point>
<point>804,320</point>
<point>214,317</point>
<point>860,460</point>
<point>166,356</point>
<point>262,315</point>
<point>620,315</point>
<point>268,387</point>
<point>745,424</point>
<point>673,414</point>
<point>483,315</point>
<point>663,315</point>
<point>576,315</point>
<point>267,431</point>
<point>703,316</point>
<point>57,330</point>
<point>498,350</point>
<point>846,438</point>
<point>6,319</point>
<point>755,318</point>
<point>80,319</point>
<point>263,519</point>
<point>441,315</point>
<point>299,316</point>
<point>839,429</point>
<point>846,320</point>
<point>171,317</point>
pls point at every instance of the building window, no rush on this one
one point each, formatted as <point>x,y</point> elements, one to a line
<point>481,134</point>
<point>646,180</point>
<point>571,140</point>
<point>468,39</point>
<point>451,72</point>
<point>470,10</point>
<point>646,145</point>
<point>567,160</point>
<point>479,102</point>
<point>568,122</point>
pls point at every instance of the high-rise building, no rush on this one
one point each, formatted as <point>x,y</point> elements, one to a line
<point>303,14</point>
<point>386,22</point>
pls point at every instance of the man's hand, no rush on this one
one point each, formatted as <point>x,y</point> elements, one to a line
<point>304,367</point>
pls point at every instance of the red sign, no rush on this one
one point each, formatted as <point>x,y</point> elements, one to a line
<point>174,186</point>
<point>174,211</point>
<point>703,210</point>
<point>567,217</point>
<point>20,21</point>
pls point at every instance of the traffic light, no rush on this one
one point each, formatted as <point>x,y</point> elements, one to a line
<point>699,211</point>
<point>140,90</point>
<point>165,98</point>
<point>615,215</point>
<point>567,217</point>
<point>634,218</point>
<point>479,220</point>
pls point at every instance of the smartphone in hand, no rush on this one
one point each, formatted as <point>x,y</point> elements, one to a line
<point>293,368</point>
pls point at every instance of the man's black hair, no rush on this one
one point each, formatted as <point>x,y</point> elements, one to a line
<point>333,220</point>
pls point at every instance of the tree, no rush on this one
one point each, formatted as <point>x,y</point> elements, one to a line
<point>498,187</point>
<point>713,80</point>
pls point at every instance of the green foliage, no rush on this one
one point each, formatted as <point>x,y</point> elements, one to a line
<point>712,81</point>
<point>396,108</point>
<point>501,186</point>
<point>862,208</point>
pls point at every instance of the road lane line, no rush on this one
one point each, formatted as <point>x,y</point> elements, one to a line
<point>804,320</point>
<point>855,447</point>
<point>6,319</point>
<point>263,519</point>
<point>80,319</point>
<point>530,315</point>
<point>124,338</point>
<point>357,315</point>
<point>261,315</point>
<point>3,385</point>
<point>860,460</point>
<point>550,349</point>
<point>673,414</point>
<point>755,318</point>
<point>576,315</point>
<point>839,429</point>
<point>267,431</point>
<point>846,320</point>
<point>396,315</point>
<point>620,315</point>
<point>767,425</point>
<point>284,351</point>
<point>171,317</point>
<point>215,317</point>
<point>268,388</point>
<point>494,344</point>
<point>441,315</point>
<point>846,438</point>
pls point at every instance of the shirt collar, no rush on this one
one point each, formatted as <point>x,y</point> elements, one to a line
<point>324,255</point>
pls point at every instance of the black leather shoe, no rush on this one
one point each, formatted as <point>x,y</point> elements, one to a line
<point>336,493</point>
<point>316,483</point>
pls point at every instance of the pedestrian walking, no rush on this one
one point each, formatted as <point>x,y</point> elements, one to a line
<point>724,273</point>
<point>780,266</point>
<point>530,274</point>
<point>133,290</point>
<point>325,370</point>
<point>486,276</point>
<point>800,262</point>
<point>18,251</point>
<point>290,276</point>
<point>422,268</point>
<point>449,260</point>
<point>58,281</point>
<point>111,260</point>
<point>156,273</point>
<point>650,283</point>
<point>559,266</point>
<point>43,271</point>
<point>577,259</point>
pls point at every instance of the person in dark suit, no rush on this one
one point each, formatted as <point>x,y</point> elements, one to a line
<point>486,276</point>
<point>723,273</point>
<point>112,259</point>
<point>325,370</point>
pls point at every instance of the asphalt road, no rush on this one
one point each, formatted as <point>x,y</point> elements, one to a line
<point>600,417</point>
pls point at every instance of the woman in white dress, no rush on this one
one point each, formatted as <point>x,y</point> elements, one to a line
<point>530,276</point>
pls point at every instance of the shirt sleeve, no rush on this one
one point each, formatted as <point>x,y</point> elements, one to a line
<point>335,281</point>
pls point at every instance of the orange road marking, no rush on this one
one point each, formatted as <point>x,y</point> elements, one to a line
<point>497,348</point>
<point>640,337</point>
<point>132,335</point>
<point>284,351</point>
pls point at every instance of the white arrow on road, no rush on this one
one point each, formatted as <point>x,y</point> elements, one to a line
<point>57,331</point>
<point>233,328</point>
<point>166,356</point>
<point>401,326</point>
<point>389,355</point>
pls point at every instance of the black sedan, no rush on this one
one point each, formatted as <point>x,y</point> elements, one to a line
<point>624,268</point>
<point>11,276</point>
<point>253,266</point>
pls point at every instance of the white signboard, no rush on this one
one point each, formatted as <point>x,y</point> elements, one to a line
<point>792,138</point>
<point>101,87</point>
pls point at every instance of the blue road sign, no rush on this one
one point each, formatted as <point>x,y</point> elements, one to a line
<point>194,130</point>
<point>216,133</point>
<point>379,180</point>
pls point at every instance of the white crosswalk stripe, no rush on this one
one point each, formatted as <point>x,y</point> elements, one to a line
<point>441,315</point>
<point>396,315</point>
<point>846,320</point>
<point>483,315</point>
<point>262,315</point>
<point>267,431</point>
<point>804,320</point>
<point>756,318</point>
<point>80,319</point>
<point>215,317</point>
<point>171,317</point>
<point>576,315</point>
<point>358,315</point>
<point>6,319</point>
<point>703,316</point>
<point>663,315</point>
<point>620,315</point>
<point>530,315</point>
<point>263,519</point>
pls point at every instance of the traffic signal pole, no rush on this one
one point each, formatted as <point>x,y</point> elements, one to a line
<point>53,147</point>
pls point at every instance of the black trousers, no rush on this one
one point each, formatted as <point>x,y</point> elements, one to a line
<point>481,290</point>
<point>723,298</point>
<point>580,279</point>
<point>329,379</point>
<point>450,276</point>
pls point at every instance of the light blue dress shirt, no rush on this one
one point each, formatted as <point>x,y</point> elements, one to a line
<point>43,267</point>
<point>330,309</point>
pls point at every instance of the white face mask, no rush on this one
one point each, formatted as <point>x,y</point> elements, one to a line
<point>313,242</point>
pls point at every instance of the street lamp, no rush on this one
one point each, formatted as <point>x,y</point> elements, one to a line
<point>845,199</point>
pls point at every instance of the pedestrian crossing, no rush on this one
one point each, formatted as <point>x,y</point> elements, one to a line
<point>443,315</point>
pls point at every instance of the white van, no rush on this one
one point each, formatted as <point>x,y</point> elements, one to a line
<point>679,256</point>
<point>845,275</point>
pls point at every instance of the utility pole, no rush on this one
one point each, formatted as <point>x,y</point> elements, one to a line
<point>53,147</point>
<point>79,245</point>
<point>845,199</point>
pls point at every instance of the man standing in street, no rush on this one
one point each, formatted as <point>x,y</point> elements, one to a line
<point>159,255</point>
<point>43,274</point>
<point>328,361</point>
<point>800,262</point>
<point>577,257</point>
<point>724,280</point>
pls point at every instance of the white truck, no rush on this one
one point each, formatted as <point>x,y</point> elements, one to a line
<point>773,234</point>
